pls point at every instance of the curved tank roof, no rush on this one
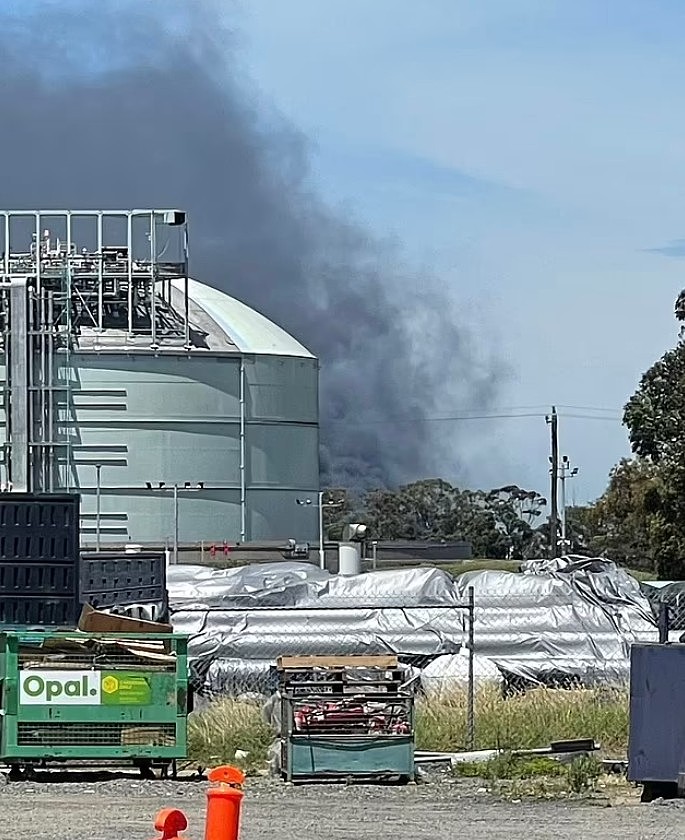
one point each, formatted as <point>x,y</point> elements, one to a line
<point>218,323</point>
<point>240,326</point>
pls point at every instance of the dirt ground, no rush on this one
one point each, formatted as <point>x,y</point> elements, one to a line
<point>123,809</point>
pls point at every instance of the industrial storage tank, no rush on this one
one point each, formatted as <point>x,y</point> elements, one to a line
<point>178,412</point>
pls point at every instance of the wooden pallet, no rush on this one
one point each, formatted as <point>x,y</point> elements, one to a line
<point>285,662</point>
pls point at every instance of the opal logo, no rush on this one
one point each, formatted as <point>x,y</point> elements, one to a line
<point>59,688</point>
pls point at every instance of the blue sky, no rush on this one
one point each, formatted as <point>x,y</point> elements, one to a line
<point>530,152</point>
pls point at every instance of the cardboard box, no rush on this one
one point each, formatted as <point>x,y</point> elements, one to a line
<point>94,621</point>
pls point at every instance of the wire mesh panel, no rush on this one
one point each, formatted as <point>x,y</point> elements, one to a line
<point>234,651</point>
<point>83,734</point>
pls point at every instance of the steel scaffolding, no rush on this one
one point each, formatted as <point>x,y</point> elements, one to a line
<point>70,280</point>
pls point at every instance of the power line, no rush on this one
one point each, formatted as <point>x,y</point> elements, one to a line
<point>448,419</point>
<point>616,419</point>
<point>588,408</point>
<point>465,417</point>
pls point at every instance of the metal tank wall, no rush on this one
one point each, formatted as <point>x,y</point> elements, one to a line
<point>4,471</point>
<point>179,418</point>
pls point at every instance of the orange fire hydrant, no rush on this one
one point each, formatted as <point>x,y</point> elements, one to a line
<point>170,821</point>
<point>224,802</point>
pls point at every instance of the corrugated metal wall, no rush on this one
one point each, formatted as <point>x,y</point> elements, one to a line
<point>150,418</point>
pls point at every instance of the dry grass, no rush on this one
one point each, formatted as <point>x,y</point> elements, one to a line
<point>526,720</point>
<point>216,733</point>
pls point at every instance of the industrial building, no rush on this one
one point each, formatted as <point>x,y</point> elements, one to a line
<point>176,411</point>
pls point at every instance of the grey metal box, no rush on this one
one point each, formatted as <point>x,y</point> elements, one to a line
<point>656,748</point>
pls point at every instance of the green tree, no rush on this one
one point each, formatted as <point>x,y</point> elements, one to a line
<point>498,523</point>
<point>655,417</point>
<point>620,525</point>
<point>418,511</point>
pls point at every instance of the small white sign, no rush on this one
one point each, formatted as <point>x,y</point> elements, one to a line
<point>59,688</point>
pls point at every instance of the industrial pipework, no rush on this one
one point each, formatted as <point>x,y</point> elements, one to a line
<point>73,278</point>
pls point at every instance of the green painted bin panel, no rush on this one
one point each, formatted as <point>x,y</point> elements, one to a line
<point>97,708</point>
<point>364,756</point>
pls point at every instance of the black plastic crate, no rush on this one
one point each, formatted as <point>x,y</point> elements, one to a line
<point>39,611</point>
<point>109,579</point>
<point>39,556</point>
<point>39,528</point>
<point>26,578</point>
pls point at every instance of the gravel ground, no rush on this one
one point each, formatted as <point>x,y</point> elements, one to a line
<point>124,809</point>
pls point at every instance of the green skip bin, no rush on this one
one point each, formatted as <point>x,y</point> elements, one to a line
<point>93,697</point>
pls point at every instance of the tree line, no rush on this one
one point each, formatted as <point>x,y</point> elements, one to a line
<point>498,523</point>
<point>639,520</point>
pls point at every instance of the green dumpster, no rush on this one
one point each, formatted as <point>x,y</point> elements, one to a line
<point>93,697</point>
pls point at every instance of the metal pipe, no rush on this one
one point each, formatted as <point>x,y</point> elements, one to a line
<point>7,243</point>
<point>6,407</point>
<point>470,712</point>
<point>98,468</point>
<point>19,385</point>
<point>100,270</point>
<point>153,274</point>
<point>322,553</point>
<point>51,391</point>
<point>33,397</point>
<point>562,506</point>
<point>42,401</point>
<point>186,311</point>
<point>175,523</point>
<point>67,365</point>
<point>129,234</point>
<point>39,243</point>
<point>243,488</point>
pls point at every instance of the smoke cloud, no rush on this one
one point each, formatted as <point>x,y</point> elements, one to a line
<point>124,104</point>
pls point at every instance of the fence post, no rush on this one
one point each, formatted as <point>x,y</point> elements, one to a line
<point>470,712</point>
<point>663,623</point>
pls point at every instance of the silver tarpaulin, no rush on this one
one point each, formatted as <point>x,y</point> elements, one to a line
<point>576,617</point>
<point>572,616</point>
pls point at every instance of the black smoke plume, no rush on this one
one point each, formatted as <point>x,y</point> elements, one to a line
<point>117,103</point>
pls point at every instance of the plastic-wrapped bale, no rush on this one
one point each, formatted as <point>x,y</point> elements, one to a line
<point>241,620</point>
<point>450,673</point>
<point>574,618</point>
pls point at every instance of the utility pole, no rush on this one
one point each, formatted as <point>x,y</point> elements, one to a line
<point>553,421</point>
<point>566,470</point>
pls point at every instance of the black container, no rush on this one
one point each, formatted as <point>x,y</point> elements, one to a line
<point>109,579</point>
<point>39,556</point>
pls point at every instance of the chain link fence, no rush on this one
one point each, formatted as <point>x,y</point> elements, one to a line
<point>449,650</point>
<point>668,603</point>
<point>234,651</point>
